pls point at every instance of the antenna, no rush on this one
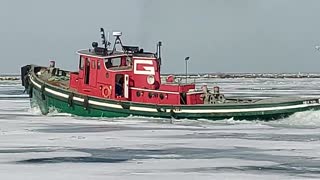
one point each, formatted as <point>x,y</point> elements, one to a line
<point>187,59</point>
<point>109,39</point>
<point>103,37</point>
<point>158,53</point>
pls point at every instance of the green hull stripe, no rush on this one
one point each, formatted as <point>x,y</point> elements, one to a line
<point>56,93</point>
<point>135,108</point>
<point>78,99</point>
<point>105,104</point>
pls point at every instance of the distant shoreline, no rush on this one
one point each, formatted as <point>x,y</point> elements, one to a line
<point>216,75</point>
<point>9,78</point>
<point>249,75</point>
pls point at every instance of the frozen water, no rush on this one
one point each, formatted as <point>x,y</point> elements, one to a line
<point>62,146</point>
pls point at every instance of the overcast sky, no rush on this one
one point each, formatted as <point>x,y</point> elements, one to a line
<point>218,35</point>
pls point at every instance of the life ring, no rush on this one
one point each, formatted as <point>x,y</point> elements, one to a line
<point>106,91</point>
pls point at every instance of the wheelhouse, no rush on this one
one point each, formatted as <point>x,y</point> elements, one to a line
<point>128,74</point>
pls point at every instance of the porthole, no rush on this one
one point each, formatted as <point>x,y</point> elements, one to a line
<point>138,93</point>
<point>161,96</point>
<point>150,95</point>
<point>150,79</point>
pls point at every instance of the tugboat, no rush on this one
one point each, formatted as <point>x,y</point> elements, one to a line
<point>124,81</point>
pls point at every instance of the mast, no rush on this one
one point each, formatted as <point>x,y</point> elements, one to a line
<point>158,53</point>
<point>104,41</point>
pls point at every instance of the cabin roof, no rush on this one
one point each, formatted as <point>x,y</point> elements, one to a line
<point>90,52</point>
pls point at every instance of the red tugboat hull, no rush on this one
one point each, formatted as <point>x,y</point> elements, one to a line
<point>49,96</point>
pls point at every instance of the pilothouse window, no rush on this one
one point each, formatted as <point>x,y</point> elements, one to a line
<point>114,62</point>
<point>87,71</point>
<point>81,63</point>
<point>117,62</point>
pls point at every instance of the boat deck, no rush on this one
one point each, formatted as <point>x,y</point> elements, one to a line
<point>61,81</point>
